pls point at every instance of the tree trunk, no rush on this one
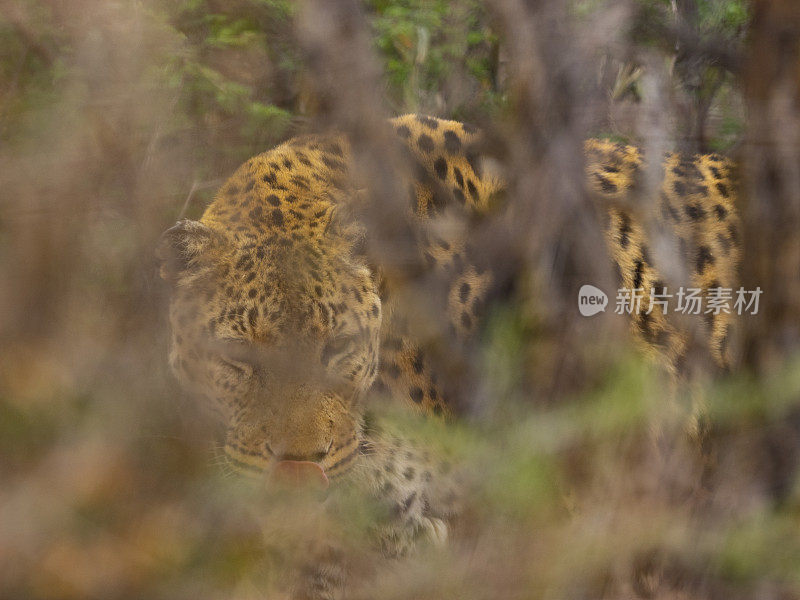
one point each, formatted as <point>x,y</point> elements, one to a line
<point>771,214</point>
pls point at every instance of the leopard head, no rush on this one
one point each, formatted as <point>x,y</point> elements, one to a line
<point>280,337</point>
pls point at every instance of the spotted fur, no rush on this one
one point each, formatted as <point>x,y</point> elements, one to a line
<point>695,207</point>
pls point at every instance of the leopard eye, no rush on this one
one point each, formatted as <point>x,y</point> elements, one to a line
<point>236,355</point>
<point>336,346</point>
<point>240,370</point>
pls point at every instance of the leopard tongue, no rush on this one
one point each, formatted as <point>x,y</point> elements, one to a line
<point>300,473</point>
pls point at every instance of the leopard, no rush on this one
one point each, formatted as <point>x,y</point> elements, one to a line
<point>283,323</point>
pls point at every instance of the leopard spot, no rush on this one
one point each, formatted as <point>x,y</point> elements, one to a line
<point>427,121</point>
<point>440,166</point>
<point>452,143</point>
<point>704,258</point>
<point>425,143</point>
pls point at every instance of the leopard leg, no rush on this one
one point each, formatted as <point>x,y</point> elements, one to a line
<point>322,578</point>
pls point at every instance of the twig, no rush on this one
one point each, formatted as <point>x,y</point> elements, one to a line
<point>196,187</point>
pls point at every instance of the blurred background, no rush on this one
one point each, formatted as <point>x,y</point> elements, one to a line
<point>590,476</point>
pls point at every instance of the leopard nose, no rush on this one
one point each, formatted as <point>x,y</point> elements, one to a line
<point>314,457</point>
<point>300,473</point>
<point>302,450</point>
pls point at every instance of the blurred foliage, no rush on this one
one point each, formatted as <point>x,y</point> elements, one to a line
<point>707,40</point>
<point>29,70</point>
<point>701,43</point>
<point>109,490</point>
<point>238,79</point>
<point>424,43</point>
<point>239,85</point>
<point>226,75</point>
<point>728,16</point>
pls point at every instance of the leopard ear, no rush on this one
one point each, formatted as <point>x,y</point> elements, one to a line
<point>181,245</point>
